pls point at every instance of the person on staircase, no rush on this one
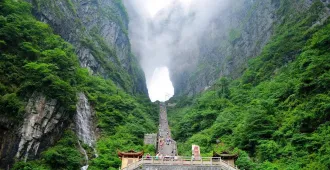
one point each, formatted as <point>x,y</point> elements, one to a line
<point>148,156</point>
<point>157,156</point>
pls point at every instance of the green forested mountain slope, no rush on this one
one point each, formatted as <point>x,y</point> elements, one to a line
<point>276,116</point>
<point>33,59</point>
<point>99,32</point>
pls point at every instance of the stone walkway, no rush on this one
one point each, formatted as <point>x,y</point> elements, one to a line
<point>168,157</point>
<point>166,145</point>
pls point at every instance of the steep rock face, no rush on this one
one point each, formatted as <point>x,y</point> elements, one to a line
<point>225,46</point>
<point>44,116</point>
<point>43,125</point>
<point>98,31</point>
<point>238,34</point>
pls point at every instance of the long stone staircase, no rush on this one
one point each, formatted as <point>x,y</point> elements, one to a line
<point>169,159</point>
<point>166,145</point>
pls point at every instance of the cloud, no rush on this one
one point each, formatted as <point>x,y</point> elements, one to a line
<point>172,35</point>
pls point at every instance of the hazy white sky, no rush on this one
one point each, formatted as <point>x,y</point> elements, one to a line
<point>154,6</point>
<point>160,87</point>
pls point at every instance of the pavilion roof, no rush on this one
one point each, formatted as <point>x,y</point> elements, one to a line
<point>130,153</point>
<point>225,155</point>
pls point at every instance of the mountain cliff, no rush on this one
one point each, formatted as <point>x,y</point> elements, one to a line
<point>98,31</point>
<point>227,42</point>
<point>253,82</point>
<point>70,87</point>
<point>275,113</point>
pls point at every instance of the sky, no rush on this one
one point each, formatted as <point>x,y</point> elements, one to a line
<point>154,6</point>
<point>164,33</point>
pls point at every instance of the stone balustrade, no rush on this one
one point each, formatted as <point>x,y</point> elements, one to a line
<point>180,163</point>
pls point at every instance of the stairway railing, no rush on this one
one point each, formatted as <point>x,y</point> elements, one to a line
<point>179,160</point>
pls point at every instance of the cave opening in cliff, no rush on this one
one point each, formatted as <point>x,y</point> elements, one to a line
<point>160,86</point>
<point>156,44</point>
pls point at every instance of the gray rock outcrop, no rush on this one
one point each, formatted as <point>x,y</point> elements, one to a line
<point>43,125</point>
<point>43,117</point>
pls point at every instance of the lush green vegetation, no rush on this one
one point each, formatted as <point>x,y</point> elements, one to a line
<point>34,59</point>
<point>277,115</point>
<point>111,67</point>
